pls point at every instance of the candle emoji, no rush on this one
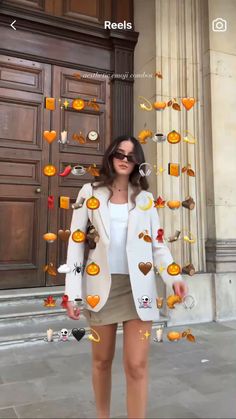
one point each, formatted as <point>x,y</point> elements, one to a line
<point>64,137</point>
<point>159,334</point>
<point>49,335</point>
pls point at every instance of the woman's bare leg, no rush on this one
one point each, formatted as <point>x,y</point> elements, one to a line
<point>102,357</point>
<point>135,356</point>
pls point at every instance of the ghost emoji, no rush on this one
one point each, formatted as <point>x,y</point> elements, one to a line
<point>145,302</point>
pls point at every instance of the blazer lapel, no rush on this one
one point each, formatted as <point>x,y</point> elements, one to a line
<point>103,194</point>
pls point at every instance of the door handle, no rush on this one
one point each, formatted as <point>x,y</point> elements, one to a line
<point>38,190</point>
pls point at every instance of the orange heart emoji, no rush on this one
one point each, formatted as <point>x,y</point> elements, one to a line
<point>64,234</point>
<point>188,102</point>
<point>49,136</point>
<point>145,267</point>
<point>93,300</point>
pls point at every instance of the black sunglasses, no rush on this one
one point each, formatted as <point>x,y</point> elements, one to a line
<point>121,156</point>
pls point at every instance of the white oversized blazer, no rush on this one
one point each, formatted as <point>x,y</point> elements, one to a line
<point>138,250</point>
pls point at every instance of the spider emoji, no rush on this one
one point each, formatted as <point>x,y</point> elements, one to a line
<point>78,268</point>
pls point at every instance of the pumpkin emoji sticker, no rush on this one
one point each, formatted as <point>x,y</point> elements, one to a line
<point>49,170</point>
<point>174,336</point>
<point>173,269</point>
<point>50,237</point>
<point>92,269</point>
<point>173,137</point>
<point>173,204</point>
<point>78,236</point>
<point>78,104</point>
<point>159,106</point>
<point>92,203</point>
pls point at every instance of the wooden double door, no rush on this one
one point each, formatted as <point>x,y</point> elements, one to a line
<point>24,189</point>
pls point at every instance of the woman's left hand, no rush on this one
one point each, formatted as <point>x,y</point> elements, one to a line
<point>180,288</point>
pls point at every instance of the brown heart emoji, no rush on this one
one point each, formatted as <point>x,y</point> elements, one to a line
<point>145,267</point>
<point>49,136</point>
<point>93,300</point>
<point>64,234</point>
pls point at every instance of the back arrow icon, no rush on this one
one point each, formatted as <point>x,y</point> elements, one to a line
<point>12,25</point>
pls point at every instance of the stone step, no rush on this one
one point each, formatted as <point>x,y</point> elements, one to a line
<point>24,307</point>
<point>24,318</point>
<point>15,295</point>
<point>35,328</point>
<point>37,332</point>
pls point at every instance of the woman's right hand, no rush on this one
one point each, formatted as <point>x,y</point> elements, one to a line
<point>72,311</point>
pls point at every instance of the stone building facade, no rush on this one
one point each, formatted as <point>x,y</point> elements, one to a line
<point>176,38</point>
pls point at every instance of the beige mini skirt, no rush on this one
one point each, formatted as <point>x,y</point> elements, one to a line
<point>119,307</point>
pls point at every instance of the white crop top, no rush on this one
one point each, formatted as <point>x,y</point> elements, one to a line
<point>118,262</point>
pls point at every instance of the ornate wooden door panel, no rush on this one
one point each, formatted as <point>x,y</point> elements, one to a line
<point>24,214</point>
<point>93,11</point>
<point>23,219</point>
<point>59,33</point>
<point>67,87</point>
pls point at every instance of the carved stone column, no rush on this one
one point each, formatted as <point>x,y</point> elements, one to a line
<point>221,255</point>
<point>194,61</point>
<point>122,82</point>
<point>179,59</point>
<point>219,85</point>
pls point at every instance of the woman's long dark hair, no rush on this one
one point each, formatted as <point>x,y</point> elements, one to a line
<point>108,174</point>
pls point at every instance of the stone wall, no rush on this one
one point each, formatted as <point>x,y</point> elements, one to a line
<point>176,38</point>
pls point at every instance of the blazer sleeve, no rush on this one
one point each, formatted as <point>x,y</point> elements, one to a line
<point>75,251</point>
<point>161,253</point>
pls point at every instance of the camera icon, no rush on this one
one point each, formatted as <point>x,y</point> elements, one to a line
<point>219,25</point>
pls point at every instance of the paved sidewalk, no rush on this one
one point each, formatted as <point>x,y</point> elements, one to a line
<point>52,380</point>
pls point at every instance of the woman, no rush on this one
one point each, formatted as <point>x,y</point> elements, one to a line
<point>124,290</point>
